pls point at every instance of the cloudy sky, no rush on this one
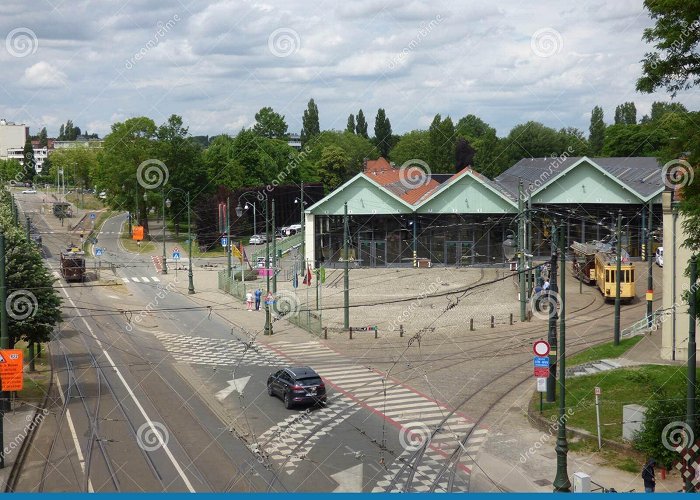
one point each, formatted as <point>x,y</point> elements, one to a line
<point>217,63</point>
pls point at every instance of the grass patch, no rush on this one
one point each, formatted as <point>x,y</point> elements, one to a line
<point>85,201</point>
<point>35,383</point>
<point>603,351</point>
<point>132,246</point>
<point>619,387</point>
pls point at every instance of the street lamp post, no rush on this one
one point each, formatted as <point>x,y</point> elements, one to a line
<point>650,266</point>
<point>618,271</point>
<point>255,223</point>
<point>228,235</point>
<point>190,288</point>
<point>692,368</point>
<point>165,256</point>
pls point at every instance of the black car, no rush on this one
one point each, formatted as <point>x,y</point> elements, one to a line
<point>297,385</point>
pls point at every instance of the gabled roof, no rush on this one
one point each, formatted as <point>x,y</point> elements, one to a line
<point>639,175</point>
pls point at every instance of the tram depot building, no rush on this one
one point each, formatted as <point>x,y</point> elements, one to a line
<point>463,218</point>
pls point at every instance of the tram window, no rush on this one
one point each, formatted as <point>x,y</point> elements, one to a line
<point>632,281</point>
<point>607,275</point>
<point>627,276</point>
<point>612,276</point>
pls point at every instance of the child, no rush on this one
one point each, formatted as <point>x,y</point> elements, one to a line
<point>249,300</point>
<point>258,295</point>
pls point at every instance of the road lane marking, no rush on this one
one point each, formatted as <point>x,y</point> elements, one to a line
<point>145,280</point>
<point>125,280</point>
<point>135,280</point>
<point>154,279</point>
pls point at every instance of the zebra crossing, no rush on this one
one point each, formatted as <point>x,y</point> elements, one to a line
<point>215,352</point>
<point>140,279</point>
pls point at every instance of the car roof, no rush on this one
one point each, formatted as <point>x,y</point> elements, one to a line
<point>301,371</point>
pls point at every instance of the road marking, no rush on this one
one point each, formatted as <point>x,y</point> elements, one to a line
<point>145,280</point>
<point>154,278</point>
<point>155,430</point>
<point>78,451</point>
<point>236,384</point>
<point>125,280</point>
<point>136,280</point>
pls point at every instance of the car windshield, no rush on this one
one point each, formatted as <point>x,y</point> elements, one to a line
<point>310,381</point>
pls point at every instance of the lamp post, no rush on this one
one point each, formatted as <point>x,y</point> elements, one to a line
<point>228,235</point>
<point>247,206</point>
<point>302,204</point>
<point>168,203</point>
<point>650,278</point>
<point>165,256</point>
<point>618,271</point>
<point>239,212</point>
<point>692,369</point>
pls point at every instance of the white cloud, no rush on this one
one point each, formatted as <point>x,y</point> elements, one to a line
<point>43,75</point>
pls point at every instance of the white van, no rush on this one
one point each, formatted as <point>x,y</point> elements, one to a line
<point>659,256</point>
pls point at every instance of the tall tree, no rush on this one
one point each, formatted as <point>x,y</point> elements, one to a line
<point>28,162</point>
<point>332,166</point>
<point>659,109</point>
<point>464,154</point>
<point>270,124</point>
<point>361,127</point>
<point>675,64</point>
<point>441,139</point>
<point>410,146</point>
<point>382,133</point>
<point>596,131</point>
<point>43,138</point>
<point>350,127</point>
<point>310,124</point>
<point>626,114</point>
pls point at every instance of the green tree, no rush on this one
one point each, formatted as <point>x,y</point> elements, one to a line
<point>28,162</point>
<point>441,141</point>
<point>412,145</point>
<point>482,137</point>
<point>626,114</point>
<point>332,166</point>
<point>79,165</point>
<point>659,109</point>
<point>310,124</point>
<point>68,132</point>
<point>661,411</point>
<point>350,127</point>
<point>9,170</point>
<point>356,147</point>
<point>361,126</point>
<point>382,133</point>
<point>43,138</point>
<point>675,64</point>
<point>596,131</point>
<point>270,124</point>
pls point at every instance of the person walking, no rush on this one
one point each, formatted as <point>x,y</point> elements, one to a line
<point>249,300</point>
<point>258,295</point>
<point>648,476</point>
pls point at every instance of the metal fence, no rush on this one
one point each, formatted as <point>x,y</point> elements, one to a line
<point>308,320</point>
<point>227,284</point>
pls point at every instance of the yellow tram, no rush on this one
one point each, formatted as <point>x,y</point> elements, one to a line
<point>595,264</point>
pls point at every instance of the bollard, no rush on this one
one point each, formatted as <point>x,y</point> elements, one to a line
<point>375,332</point>
<point>325,333</point>
<point>471,324</point>
<point>350,333</point>
<point>511,318</point>
<point>400,330</point>
<point>493,322</point>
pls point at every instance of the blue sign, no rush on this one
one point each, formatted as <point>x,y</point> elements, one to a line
<point>542,361</point>
<point>176,255</point>
<point>98,252</point>
<point>92,216</point>
<point>224,241</point>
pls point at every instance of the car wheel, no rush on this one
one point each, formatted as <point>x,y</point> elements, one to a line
<point>287,401</point>
<point>269,390</point>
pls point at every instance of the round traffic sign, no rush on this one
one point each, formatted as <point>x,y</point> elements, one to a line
<point>541,348</point>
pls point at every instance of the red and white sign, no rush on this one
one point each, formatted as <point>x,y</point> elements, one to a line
<point>541,348</point>
<point>598,392</point>
<point>541,371</point>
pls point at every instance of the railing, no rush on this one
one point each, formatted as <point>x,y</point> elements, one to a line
<point>642,326</point>
<point>228,285</point>
<point>308,320</point>
<point>282,246</point>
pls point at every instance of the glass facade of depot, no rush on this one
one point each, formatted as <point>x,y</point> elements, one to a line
<point>473,239</point>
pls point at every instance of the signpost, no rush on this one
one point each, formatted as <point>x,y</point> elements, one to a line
<point>541,366</point>
<point>598,392</point>
<point>11,372</point>
<point>541,348</point>
<point>98,252</point>
<point>176,257</point>
<point>92,218</point>
<point>224,242</point>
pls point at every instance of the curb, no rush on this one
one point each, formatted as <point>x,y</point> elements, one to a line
<point>23,451</point>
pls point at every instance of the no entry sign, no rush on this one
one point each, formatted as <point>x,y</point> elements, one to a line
<point>541,348</point>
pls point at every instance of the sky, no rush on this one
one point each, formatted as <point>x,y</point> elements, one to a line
<point>217,63</point>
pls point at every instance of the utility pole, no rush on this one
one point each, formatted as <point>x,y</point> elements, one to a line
<point>618,259</point>
<point>346,275</point>
<point>692,390</point>
<point>302,247</point>
<point>228,235</point>
<point>4,340</point>
<point>268,323</point>
<point>274,250</point>
<point>165,256</point>
<point>521,252</point>
<point>529,251</point>
<point>29,229</point>
<point>190,289</point>
<point>561,481</point>
<point>650,280</point>
<point>553,316</point>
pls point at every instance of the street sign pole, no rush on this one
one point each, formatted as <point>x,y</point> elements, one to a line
<point>597,416</point>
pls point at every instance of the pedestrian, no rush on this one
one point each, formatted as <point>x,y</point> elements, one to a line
<point>249,300</point>
<point>648,476</point>
<point>258,295</point>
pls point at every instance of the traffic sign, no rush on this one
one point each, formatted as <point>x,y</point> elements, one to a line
<point>598,392</point>
<point>542,361</point>
<point>541,348</point>
<point>11,372</point>
<point>541,384</point>
<point>541,372</point>
<point>98,252</point>
<point>92,216</point>
<point>176,254</point>
<point>224,241</point>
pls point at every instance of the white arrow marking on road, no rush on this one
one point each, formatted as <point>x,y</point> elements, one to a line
<point>349,480</point>
<point>236,384</point>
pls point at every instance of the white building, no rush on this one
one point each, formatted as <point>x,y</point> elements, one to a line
<point>40,155</point>
<point>12,136</point>
<point>80,143</point>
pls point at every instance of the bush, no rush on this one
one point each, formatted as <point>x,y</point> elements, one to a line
<point>250,275</point>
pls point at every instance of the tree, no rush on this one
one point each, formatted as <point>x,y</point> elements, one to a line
<point>270,124</point>
<point>382,133</point>
<point>659,109</point>
<point>596,131</point>
<point>441,142</point>
<point>310,124</point>
<point>464,154</point>
<point>356,147</point>
<point>79,165</point>
<point>412,145</point>
<point>361,127</point>
<point>675,65</point>
<point>626,114</point>
<point>43,138</point>
<point>351,124</point>
<point>28,162</point>
<point>332,166</point>
<point>68,132</point>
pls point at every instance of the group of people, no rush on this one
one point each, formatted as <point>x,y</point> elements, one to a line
<point>251,297</point>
